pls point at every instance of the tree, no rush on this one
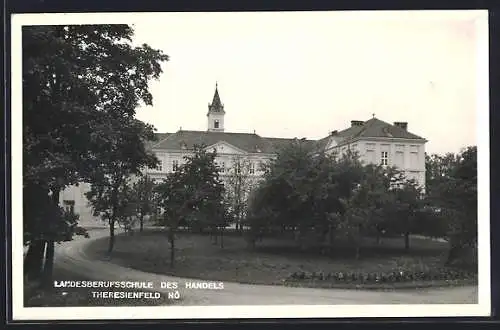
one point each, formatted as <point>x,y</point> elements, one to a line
<point>457,199</point>
<point>193,195</point>
<point>407,203</point>
<point>173,198</point>
<point>304,191</point>
<point>144,193</point>
<point>239,183</point>
<point>110,193</point>
<point>203,182</point>
<point>74,77</point>
<point>365,207</point>
<point>438,169</point>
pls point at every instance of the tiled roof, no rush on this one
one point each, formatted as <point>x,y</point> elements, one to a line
<point>322,143</point>
<point>253,143</point>
<point>375,128</point>
<point>159,138</point>
<point>283,142</point>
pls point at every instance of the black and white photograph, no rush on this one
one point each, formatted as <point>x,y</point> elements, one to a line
<point>256,164</point>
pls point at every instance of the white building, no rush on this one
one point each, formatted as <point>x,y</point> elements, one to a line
<point>375,141</point>
<point>378,142</point>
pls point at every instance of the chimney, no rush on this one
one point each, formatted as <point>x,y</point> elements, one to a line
<point>356,123</point>
<point>403,125</point>
<point>333,133</point>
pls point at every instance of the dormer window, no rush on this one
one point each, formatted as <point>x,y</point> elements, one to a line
<point>216,123</point>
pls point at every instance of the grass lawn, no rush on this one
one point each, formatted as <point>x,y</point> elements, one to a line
<point>79,297</point>
<point>270,262</point>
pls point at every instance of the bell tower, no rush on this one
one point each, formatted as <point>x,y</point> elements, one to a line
<point>216,113</point>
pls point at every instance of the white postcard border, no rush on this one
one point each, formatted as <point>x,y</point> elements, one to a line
<point>483,308</point>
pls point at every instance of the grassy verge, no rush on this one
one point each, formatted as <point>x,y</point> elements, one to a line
<point>79,297</point>
<point>273,260</point>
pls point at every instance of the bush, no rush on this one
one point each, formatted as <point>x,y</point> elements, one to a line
<point>442,274</point>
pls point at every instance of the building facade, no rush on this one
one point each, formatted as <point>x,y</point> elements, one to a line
<point>374,140</point>
<point>377,142</point>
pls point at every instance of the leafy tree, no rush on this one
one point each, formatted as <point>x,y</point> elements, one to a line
<point>287,180</point>
<point>144,194</point>
<point>456,198</point>
<point>239,182</point>
<point>365,207</point>
<point>303,191</point>
<point>74,77</point>
<point>438,169</point>
<point>202,178</point>
<point>173,199</point>
<point>110,193</point>
<point>193,195</point>
<point>406,206</point>
<point>259,214</point>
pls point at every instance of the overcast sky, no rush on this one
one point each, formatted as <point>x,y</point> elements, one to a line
<point>306,74</point>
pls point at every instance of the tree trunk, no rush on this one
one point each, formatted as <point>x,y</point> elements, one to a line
<point>215,236</point>
<point>48,267</point>
<point>222,237</point>
<point>33,262</point>
<point>141,220</point>
<point>407,242</point>
<point>172,249</point>
<point>111,236</point>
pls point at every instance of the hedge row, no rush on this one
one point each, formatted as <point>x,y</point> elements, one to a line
<point>386,277</point>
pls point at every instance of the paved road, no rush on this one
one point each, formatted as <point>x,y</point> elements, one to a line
<point>70,256</point>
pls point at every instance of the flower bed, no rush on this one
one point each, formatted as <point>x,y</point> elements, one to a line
<point>399,276</point>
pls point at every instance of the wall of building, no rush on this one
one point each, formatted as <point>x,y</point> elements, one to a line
<point>77,195</point>
<point>406,155</point>
<point>169,158</point>
<point>211,117</point>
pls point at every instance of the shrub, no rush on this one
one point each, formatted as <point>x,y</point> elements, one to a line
<point>443,274</point>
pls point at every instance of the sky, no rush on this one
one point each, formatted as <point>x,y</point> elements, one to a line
<point>304,74</point>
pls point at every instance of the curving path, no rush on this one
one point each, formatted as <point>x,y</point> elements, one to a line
<point>70,256</point>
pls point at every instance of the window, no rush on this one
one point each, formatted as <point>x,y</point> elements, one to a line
<point>160,166</point>
<point>175,165</point>
<point>384,158</point>
<point>252,168</point>
<point>222,167</point>
<point>216,123</point>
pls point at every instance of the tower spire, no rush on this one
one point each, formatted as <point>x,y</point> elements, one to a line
<point>216,112</point>
<point>216,105</point>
